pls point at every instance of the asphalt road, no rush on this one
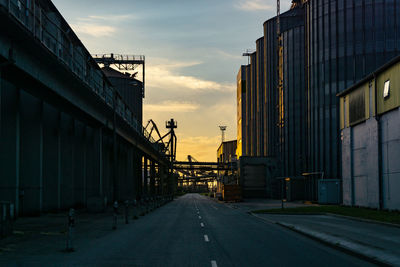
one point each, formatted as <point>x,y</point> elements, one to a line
<point>195,231</point>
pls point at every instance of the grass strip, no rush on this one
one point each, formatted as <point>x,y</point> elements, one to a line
<point>363,213</point>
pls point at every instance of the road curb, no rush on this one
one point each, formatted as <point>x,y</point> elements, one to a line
<point>335,215</point>
<point>336,245</point>
<point>363,220</point>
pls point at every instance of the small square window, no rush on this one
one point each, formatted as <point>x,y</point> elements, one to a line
<point>386,89</point>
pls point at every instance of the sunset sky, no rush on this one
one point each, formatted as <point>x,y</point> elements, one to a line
<point>193,52</point>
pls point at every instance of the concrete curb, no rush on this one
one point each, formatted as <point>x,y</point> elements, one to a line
<point>334,215</point>
<point>363,220</point>
<point>361,251</point>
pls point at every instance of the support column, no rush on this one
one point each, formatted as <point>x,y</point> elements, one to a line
<point>145,176</point>
<point>17,149</point>
<point>9,142</point>
<point>162,180</point>
<point>152,178</point>
<point>100,147</point>
<point>84,165</point>
<point>59,161</point>
<point>41,157</point>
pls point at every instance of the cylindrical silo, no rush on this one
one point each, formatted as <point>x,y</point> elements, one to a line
<point>248,110</point>
<point>293,144</point>
<point>270,64</point>
<point>253,104</point>
<point>260,86</point>
<point>241,112</point>
<point>286,143</point>
<point>345,40</point>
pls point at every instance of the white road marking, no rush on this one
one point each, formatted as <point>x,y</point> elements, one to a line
<point>202,224</point>
<point>200,217</point>
<point>214,264</point>
<point>206,238</point>
<point>214,207</point>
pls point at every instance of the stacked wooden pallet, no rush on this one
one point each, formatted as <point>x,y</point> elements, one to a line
<point>232,193</point>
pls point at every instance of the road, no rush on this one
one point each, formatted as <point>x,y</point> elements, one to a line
<point>195,231</point>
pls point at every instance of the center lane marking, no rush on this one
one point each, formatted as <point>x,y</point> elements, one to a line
<point>200,217</point>
<point>214,264</point>
<point>202,224</point>
<point>206,238</point>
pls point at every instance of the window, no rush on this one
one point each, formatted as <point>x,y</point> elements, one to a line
<point>386,89</point>
<point>357,106</point>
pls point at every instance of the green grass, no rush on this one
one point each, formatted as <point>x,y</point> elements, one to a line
<point>364,213</point>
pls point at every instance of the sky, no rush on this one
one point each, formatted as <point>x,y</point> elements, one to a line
<point>193,52</point>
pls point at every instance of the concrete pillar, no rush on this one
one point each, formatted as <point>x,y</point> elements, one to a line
<point>145,176</point>
<point>84,166</point>
<point>162,179</point>
<point>50,158</point>
<point>138,172</point>
<point>66,164</point>
<point>130,172</point>
<point>59,161</point>
<point>91,163</point>
<point>41,157</point>
<point>9,142</point>
<point>79,162</point>
<point>31,154</point>
<point>100,159</point>
<point>152,178</point>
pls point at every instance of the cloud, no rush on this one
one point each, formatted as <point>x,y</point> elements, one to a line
<point>166,77</point>
<point>93,29</point>
<point>171,106</point>
<point>113,18</point>
<point>202,148</point>
<point>99,26</point>
<point>254,5</point>
<point>228,55</point>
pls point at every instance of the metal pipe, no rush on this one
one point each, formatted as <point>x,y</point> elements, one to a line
<point>380,167</point>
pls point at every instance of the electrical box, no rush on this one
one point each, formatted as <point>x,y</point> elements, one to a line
<point>329,191</point>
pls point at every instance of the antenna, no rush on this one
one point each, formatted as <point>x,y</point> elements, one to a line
<point>222,128</point>
<point>248,54</point>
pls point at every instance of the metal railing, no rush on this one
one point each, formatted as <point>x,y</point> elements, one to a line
<point>56,35</point>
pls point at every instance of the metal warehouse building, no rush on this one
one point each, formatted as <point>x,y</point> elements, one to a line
<point>369,119</point>
<point>327,47</point>
<point>346,40</point>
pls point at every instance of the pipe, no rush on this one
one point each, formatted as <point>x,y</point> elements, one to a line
<point>380,169</point>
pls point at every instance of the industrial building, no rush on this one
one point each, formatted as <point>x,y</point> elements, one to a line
<point>241,112</point>
<point>326,46</point>
<point>70,133</point>
<point>370,134</point>
<point>226,152</point>
<point>130,88</point>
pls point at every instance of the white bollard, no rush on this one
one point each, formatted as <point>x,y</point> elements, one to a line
<point>115,207</point>
<point>71,225</point>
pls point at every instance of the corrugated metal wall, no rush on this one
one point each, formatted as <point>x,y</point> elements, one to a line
<point>260,127</point>
<point>132,95</point>
<point>253,104</point>
<point>241,112</point>
<point>347,40</point>
<point>270,63</point>
<point>328,46</point>
<point>289,144</point>
<point>293,142</point>
<point>248,109</point>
